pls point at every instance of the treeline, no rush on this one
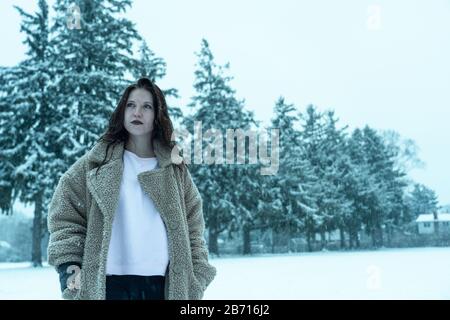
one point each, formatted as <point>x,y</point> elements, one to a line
<point>328,179</point>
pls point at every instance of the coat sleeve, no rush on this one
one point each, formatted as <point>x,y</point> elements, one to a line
<point>203,271</point>
<point>67,222</point>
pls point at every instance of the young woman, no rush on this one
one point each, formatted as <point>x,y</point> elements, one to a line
<point>126,219</point>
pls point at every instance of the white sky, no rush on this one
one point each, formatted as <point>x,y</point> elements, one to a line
<point>390,72</point>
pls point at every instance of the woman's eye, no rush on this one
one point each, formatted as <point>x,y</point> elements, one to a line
<point>148,106</point>
<point>130,105</point>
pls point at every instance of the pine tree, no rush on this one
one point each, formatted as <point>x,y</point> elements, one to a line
<point>325,149</point>
<point>312,138</point>
<point>92,60</point>
<point>334,168</point>
<point>154,68</point>
<point>220,184</point>
<point>404,154</point>
<point>422,200</point>
<point>295,178</point>
<point>358,187</point>
<point>10,146</point>
<point>365,191</point>
<point>381,202</point>
<point>29,150</point>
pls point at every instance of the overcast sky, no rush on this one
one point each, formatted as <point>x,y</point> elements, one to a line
<point>381,63</point>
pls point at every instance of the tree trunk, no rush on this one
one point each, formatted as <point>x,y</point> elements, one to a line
<point>213,235</point>
<point>213,246</point>
<point>374,237</point>
<point>246,238</point>
<point>36,254</point>
<point>351,239</point>
<point>358,243</point>
<point>380,238</point>
<point>323,241</point>
<point>308,240</point>
<point>272,239</point>
<point>389,235</point>
<point>342,237</point>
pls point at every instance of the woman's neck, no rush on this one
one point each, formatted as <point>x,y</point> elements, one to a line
<point>143,150</point>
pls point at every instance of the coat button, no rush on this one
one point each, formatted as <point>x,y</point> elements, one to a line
<point>173,225</point>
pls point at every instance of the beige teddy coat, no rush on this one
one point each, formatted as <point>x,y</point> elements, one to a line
<point>82,210</point>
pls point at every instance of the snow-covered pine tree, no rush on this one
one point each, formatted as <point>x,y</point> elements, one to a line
<point>266,194</point>
<point>312,137</point>
<point>154,68</point>
<point>352,179</point>
<point>334,165</point>
<point>358,186</point>
<point>295,178</point>
<point>216,107</point>
<point>9,147</point>
<point>93,61</point>
<point>382,200</point>
<point>404,153</point>
<point>395,186</point>
<point>390,181</point>
<point>30,133</point>
<point>151,66</point>
<point>422,200</point>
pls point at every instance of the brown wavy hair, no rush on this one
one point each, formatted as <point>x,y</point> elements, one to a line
<point>162,126</point>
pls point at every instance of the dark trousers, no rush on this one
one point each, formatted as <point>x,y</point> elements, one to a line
<point>131,287</point>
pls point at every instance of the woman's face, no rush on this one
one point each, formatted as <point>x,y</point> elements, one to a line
<point>140,108</point>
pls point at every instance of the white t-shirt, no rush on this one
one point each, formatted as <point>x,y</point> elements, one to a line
<point>139,244</point>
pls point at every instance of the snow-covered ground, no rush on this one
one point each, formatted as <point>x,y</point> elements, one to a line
<point>386,274</point>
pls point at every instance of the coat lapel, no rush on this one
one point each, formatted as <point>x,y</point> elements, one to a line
<point>105,187</point>
<point>161,187</point>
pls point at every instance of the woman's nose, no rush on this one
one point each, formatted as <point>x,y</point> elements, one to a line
<point>138,111</point>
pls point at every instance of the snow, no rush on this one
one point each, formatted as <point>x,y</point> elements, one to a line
<point>26,283</point>
<point>430,217</point>
<point>385,274</point>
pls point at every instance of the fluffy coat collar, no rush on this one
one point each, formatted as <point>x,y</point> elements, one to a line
<point>165,155</point>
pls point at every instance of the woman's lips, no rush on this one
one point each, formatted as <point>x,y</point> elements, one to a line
<point>136,122</point>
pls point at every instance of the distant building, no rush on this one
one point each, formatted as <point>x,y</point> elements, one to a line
<point>433,223</point>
